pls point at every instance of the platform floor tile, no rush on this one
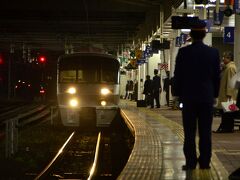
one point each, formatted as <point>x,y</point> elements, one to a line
<point>158,149</point>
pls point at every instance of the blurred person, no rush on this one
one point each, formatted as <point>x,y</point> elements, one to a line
<point>196,83</point>
<point>156,86</point>
<point>166,84</point>
<point>135,90</point>
<point>226,92</point>
<point>126,90</point>
<point>148,92</point>
<point>130,90</point>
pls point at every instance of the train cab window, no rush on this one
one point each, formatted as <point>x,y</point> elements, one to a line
<point>67,76</point>
<point>87,75</point>
<point>109,72</point>
<point>108,76</point>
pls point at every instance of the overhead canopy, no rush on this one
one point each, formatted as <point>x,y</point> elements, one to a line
<point>56,25</point>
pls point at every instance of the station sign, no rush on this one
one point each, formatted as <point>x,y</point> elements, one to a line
<point>147,52</point>
<point>138,53</point>
<point>237,6</point>
<point>183,38</point>
<point>218,17</point>
<point>178,42</point>
<point>209,24</point>
<point>141,61</point>
<point>163,66</point>
<point>214,1</point>
<point>186,11</point>
<point>228,35</point>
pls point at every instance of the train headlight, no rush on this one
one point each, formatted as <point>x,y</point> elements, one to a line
<point>71,90</point>
<point>73,102</point>
<point>105,91</point>
<point>103,103</point>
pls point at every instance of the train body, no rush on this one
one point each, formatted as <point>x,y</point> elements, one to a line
<point>88,89</point>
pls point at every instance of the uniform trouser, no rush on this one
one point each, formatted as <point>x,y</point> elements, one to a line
<point>197,116</point>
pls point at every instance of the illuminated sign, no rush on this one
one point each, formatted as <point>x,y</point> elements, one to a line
<point>213,1</point>
<point>229,35</point>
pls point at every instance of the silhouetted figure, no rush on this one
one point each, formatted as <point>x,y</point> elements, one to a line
<point>148,91</point>
<point>126,89</point>
<point>156,88</point>
<point>130,90</point>
<point>166,84</point>
<point>135,90</point>
<point>196,83</point>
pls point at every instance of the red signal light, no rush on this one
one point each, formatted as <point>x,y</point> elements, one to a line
<point>1,60</point>
<point>42,91</point>
<point>42,59</point>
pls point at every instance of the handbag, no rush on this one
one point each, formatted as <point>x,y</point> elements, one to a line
<point>229,106</point>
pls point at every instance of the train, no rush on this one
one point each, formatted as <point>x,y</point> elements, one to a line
<point>88,90</point>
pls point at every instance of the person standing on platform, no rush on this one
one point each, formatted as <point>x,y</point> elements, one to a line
<point>126,90</point>
<point>196,83</point>
<point>156,84</point>
<point>166,84</point>
<point>226,92</point>
<point>130,90</point>
<point>147,91</point>
<point>135,90</point>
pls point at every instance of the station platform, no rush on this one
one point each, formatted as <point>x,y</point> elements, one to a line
<point>158,147</point>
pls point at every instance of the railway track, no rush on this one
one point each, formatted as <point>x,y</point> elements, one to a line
<point>77,158</point>
<point>24,113</point>
<point>39,144</point>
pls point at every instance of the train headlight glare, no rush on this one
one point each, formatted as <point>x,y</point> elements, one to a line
<point>105,91</point>
<point>103,103</point>
<point>71,90</point>
<point>73,102</point>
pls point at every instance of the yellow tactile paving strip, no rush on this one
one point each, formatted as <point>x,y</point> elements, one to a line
<point>157,152</point>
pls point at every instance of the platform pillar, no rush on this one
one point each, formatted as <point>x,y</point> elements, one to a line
<point>237,41</point>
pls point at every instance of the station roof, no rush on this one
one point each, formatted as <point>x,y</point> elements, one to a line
<point>54,24</point>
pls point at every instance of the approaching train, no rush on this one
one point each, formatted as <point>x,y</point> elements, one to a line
<point>88,89</point>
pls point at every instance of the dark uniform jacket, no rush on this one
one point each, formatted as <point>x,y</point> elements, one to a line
<point>156,85</point>
<point>197,73</point>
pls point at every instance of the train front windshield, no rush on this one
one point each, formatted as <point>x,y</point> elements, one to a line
<point>88,70</point>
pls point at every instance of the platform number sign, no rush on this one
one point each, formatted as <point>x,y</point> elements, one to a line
<point>228,34</point>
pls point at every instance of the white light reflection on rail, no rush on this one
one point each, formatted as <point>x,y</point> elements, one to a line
<point>59,152</point>
<point>95,158</point>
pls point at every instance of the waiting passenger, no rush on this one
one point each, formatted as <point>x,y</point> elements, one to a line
<point>126,90</point>
<point>148,91</point>
<point>156,88</point>
<point>166,84</point>
<point>135,90</point>
<point>130,90</point>
<point>226,92</point>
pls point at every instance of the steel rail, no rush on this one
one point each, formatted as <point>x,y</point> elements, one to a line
<point>93,168</point>
<point>56,156</point>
